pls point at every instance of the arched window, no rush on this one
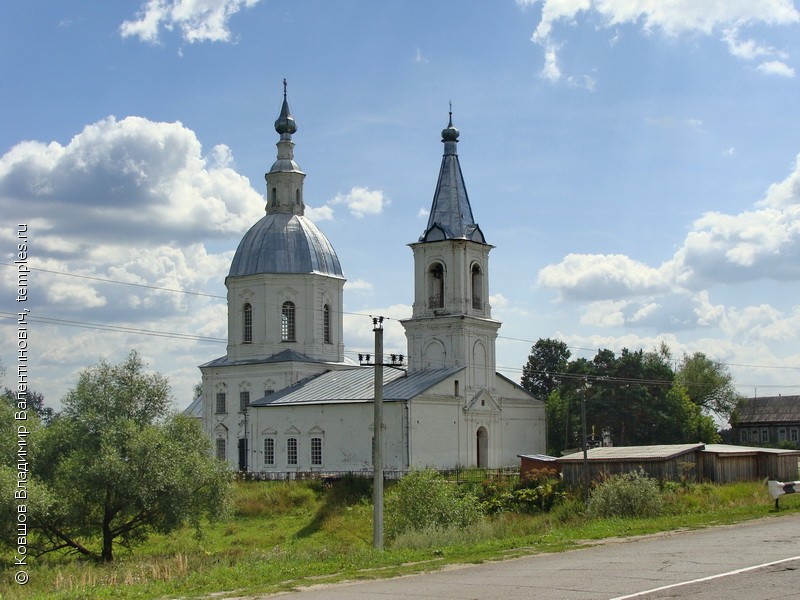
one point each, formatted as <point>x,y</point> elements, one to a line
<point>247,323</point>
<point>436,286</point>
<point>273,196</point>
<point>287,322</point>
<point>326,324</point>
<point>477,287</point>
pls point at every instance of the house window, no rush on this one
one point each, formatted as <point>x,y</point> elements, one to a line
<point>220,406</point>
<point>247,320</point>
<point>221,448</point>
<point>743,437</point>
<point>793,434</point>
<point>754,435</point>
<point>267,392</point>
<point>244,400</point>
<point>287,322</point>
<point>436,286</point>
<point>782,434</point>
<point>765,435</point>
<point>477,287</point>
<point>269,452</point>
<point>326,324</point>
<point>291,451</point>
<point>316,451</point>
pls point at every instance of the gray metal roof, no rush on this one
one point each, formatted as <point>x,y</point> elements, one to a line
<point>656,452</point>
<point>451,214</point>
<point>539,457</point>
<point>283,356</point>
<point>285,243</point>
<point>768,409</point>
<point>195,409</point>
<point>355,386</point>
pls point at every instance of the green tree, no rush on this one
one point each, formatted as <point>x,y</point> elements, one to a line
<point>35,402</point>
<point>546,363</point>
<point>634,396</point>
<point>709,384</point>
<point>117,464</point>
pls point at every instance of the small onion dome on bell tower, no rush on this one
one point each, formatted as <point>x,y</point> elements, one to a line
<point>450,133</point>
<point>285,123</point>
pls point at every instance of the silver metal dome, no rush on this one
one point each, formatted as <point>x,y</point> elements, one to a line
<point>285,243</point>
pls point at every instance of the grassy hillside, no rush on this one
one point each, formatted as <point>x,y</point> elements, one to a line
<point>282,535</point>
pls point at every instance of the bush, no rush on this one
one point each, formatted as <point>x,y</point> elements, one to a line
<point>423,499</point>
<point>538,492</point>
<point>633,494</point>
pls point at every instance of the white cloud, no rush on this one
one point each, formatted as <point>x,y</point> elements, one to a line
<point>358,285</point>
<point>419,57</point>
<point>776,67</point>
<point>323,213</point>
<point>362,201</point>
<point>198,21</point>
<point>763,243</point>
<point>595,276</point>
<point>703,17</point>
<point>134,180</point>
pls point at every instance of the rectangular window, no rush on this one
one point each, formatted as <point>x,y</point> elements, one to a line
<point>291,451</point>
<point>269,452</point>
<point>220,448</point>
<point>765,435</point>
<point>743,437</point>
<point>326,324</point>
<point>220,407</point>
<point>793,434</point>
<point>782,434</point>
<point>244,400</point>
<point>316,451</point>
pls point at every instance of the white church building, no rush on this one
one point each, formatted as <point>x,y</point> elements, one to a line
<point>285,398</point>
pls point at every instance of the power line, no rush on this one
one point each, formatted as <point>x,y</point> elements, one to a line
<point>157,333</point>
<point>115,328</point>
<point>172,290</point>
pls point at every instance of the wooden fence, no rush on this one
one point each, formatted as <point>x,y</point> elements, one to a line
<point>466,475</point>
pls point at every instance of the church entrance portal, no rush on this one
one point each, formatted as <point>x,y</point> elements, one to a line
<point>483,448</point>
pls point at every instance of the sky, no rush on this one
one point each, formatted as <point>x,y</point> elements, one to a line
<point>636,166</point>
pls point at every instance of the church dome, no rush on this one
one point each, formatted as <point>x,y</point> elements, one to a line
<point>285,243</point>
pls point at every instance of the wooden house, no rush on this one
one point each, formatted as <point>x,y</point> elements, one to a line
<point>769,420</point>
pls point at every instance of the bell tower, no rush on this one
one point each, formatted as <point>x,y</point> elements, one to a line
<point>451,323</point>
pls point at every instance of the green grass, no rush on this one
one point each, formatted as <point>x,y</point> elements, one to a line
<point>284,535</point>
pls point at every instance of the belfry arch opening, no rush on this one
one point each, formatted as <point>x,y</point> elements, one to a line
<point>477,287</point>
<point>436,285</point>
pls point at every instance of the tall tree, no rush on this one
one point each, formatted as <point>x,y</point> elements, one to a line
<point>709,384</point>
<point>117,464</point>
<point>546,363</point>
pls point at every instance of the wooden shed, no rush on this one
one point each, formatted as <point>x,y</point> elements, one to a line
<point>719,463</point>
<point>537,462</point>
<point>723,463</point>
<point>668,462</point>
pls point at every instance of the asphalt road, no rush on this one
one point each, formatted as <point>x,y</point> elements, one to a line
<point>758,560</point>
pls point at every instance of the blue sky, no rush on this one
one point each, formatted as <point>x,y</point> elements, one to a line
<point>636,169</point>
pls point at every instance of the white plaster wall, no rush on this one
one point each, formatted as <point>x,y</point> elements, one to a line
<point>346,430</point>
